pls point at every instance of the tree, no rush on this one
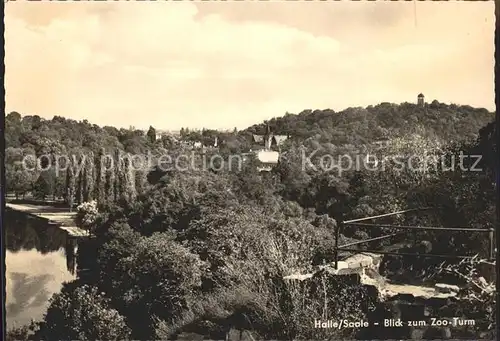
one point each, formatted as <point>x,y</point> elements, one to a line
<point>141,176</point>
<point>42,188</point>
<point>130,189</point>
<point>157,277</point>
<point>151,134</point>
<point>192,247</point>
<point>70,187</point>
<point>88,179</point>
<point>82,313</point>
<point>463,197</point>
<point>87,215</point>
<point>119,176</point>
<point>85,193</point>
<point>293,179</point>
<point>100,181</point>
<point>79,188</point>
<point>110,185</point>
<point>121,180</point>
<point>60,185</point>
<point>13,129</point>
<point>19,179</point>
<point>21,333</point>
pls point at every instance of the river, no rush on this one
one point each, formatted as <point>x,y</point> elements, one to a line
<point>39,259</point>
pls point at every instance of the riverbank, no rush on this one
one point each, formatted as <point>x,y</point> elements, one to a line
<point>52,214</point>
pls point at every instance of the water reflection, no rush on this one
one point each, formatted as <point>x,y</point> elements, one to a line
<point>39,258</point>
<point>70,251</point>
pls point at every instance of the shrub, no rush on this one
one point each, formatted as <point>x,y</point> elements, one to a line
<point>87,214</point>
<point>82,313</point>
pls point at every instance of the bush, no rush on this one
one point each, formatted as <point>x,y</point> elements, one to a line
<point>87,214</point>
<point>82,313</point>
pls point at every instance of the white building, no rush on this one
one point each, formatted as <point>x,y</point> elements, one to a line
<point>267,157</point>
<point>267,160</point>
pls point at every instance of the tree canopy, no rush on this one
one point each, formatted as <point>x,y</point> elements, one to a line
<point>207,249</point>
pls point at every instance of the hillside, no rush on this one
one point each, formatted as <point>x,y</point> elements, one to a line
<point>365,125</point>
<point>351,126</point>
<point>198,251</point>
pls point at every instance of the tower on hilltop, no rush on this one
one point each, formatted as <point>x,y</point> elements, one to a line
<point>421,99</point>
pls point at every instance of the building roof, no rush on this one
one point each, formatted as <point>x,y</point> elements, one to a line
<point>258,138</point>
<point>420,95</point>
<point>280,139</point>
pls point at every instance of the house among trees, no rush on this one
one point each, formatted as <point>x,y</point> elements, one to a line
<point>268,157</point>
<point>205,144</point>
<point>269,140</point>
<point>160,133</point>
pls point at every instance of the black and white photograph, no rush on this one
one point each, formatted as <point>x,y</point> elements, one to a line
<point>250,170</point>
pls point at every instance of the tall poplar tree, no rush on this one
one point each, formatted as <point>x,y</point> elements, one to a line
<point>151,134</point>
<point>70,186</point>
<point>88,178</point>
<point>123,192</point>
<point>79,187</point>
<point>100,177</point>
<point>141,175</point>
<point>118,170</point>
<point>110,184</point>
<point>130,189</point>
<point>85,193</point>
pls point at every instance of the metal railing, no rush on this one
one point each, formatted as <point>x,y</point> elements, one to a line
<point>357,222</point>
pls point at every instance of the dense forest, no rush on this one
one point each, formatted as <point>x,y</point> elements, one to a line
<point>206,250</point>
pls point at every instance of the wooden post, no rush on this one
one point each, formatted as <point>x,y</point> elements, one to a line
<point>492,244</point>
<point>336,251</point>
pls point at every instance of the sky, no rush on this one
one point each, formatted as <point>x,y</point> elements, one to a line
<point>233,64</point>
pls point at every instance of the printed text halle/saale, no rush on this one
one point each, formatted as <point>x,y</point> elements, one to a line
<point>340,324</point>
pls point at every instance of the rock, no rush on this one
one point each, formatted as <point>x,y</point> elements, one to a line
<point>446,288</point>
<point>298,277</point>
<point>348,271</point>
<point>417,334</point>
<point>487,270</point>
<point>354,265</point>
<point>233,335</point>
<point>482,282</point>
<point>246,336</point>
<point>190,337</point>
<point>446,333</point>
<point>366,262</point>
<point>331,266</point>
<point>425,246</point>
